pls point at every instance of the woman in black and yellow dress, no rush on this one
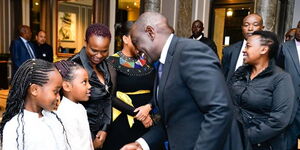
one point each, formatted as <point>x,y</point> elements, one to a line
<point>133,81</point>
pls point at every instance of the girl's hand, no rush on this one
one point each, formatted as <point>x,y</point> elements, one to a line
<point>99,139</point>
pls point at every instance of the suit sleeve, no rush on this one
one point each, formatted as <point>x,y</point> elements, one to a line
<point>225,60</point>
<point>200,70</point>
<point>158,132</point>
<point>281,113</point>
<point>14,53</point>
<point>279,59</point>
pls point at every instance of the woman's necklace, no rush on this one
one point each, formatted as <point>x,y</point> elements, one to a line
<point>131,62</point>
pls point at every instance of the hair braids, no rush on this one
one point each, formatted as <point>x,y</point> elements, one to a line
<point>32,71</point>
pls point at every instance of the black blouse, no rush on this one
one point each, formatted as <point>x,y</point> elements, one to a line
<point>99,104</point>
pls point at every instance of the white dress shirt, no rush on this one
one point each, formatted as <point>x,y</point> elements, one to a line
<point>162,59</point>
<point>298,48</point>
<point>198,38</point>
<point>240,60</point>
<point>28,47</point>
<point>40,133</point>
<point>74,118</point>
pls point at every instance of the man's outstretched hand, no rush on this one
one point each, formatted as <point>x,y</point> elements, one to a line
<point>132,146</point>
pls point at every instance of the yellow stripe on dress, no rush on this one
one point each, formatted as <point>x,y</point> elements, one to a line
<point>125,98</point>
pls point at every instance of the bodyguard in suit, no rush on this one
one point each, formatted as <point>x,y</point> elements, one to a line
<point>197,29</point>
<point>288,59</point>
<point>191,94</point>
<point>232,55</point>
<point>21,49</point>
<point>44,51</point>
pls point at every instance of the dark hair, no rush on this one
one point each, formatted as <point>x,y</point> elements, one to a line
<point>33,71</point>
<point>268,39</point>
<point>126,28</point>
<point>98,30</point>
<point>198,21</point>
<point>66,69</point>
<point>23,29</point>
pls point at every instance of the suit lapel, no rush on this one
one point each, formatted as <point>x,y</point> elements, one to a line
<point>166,71</point>
<point>292,49</point>
<point>234,58</point>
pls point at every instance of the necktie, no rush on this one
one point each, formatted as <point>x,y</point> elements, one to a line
<point>160,70</point>
<point>30,51</point>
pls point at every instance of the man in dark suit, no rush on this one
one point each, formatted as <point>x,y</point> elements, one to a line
<point>288,59</point>
<point>191,96</point>
<point>44,51</point>
<point>21,49</point>
<point>197,30</point>
<point>232,55</point>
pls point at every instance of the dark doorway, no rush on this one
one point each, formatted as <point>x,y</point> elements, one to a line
<point>226,20</point>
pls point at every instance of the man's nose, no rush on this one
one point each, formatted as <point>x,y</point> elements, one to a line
<point>250,28</point>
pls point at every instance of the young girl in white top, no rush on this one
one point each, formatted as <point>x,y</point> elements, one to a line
<point>76,88</point>
<point>28,122</point>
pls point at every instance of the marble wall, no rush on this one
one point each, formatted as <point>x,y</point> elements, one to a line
<point>152,5</point>
<point>268,10</point>
<point>184,18</point>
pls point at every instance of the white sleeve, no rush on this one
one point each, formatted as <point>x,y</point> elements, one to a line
<point>143,144</point>
<point>9,137</point>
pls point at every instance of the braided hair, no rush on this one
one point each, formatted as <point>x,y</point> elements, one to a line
<point>32,71</point>
<point>66,69</point>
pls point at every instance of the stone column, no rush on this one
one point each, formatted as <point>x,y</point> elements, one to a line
<point>152,5</point>
<point>268,10</point>
<point>184,18</point>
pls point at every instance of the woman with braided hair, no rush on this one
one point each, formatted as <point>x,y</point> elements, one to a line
<point>28,122</point>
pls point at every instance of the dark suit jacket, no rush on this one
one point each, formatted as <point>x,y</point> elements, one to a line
<point>229,59</point>
<point>19,53</point>
<point>209,43</point>
<point>193,100</point>
<point>289,61</point>
<point>44,51</point>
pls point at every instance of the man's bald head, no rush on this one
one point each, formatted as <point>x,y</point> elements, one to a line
<point>154,19</point>
<point>149,34</point>
<point>25,32</point>
<point>251,23</point>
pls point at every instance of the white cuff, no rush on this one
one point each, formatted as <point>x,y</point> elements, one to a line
<point>143,144</point>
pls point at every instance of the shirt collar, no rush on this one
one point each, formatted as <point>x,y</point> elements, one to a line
<point>297,42</point>
<point>165,49</point>
<point>25,41</point>
<point>198,38</point>
<point>68,101</point>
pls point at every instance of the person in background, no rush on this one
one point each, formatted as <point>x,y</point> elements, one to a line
<point>233,54</point>
<point>29,122</point>
<point>21,49</point>
<point>262,95</point>
<point>75,88</point>
<point>288,59</point>
<point>133,80</point>
<point>290,35</point>
<point>44,51</point>
<point>197,30</point>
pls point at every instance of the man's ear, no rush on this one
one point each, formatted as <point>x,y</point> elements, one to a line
<point>34,89</point>
<point>67,86</point>
<point>150,31</point>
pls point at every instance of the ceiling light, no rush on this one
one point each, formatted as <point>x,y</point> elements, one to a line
<point>229,12</point>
